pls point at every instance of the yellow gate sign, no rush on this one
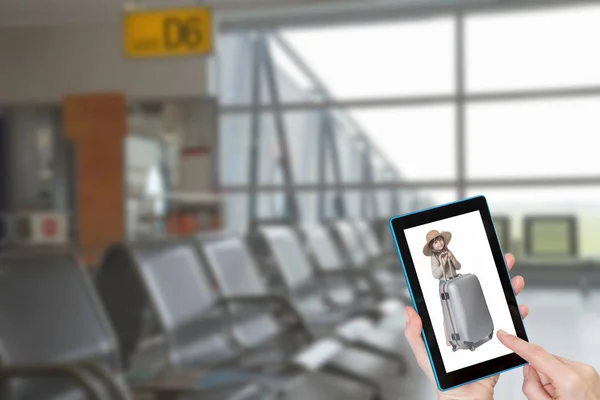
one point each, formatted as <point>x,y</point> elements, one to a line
<point>168,32</point>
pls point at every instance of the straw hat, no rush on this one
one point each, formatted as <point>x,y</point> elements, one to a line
<point>432,235</point>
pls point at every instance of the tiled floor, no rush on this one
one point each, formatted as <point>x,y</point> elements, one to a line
<point>563,321</point>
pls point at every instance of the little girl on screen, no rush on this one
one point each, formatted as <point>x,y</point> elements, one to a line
<point>436,247</point>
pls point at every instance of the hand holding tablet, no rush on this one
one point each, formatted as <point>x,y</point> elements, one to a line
<point>460,287</point>
<point>553,377</point>
<point>465,300</point>
<point>482,389</point>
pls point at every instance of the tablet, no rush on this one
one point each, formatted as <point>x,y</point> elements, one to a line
<point>461,288</point>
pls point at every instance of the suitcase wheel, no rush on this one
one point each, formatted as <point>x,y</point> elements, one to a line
<point>472,348</point>
<point>453,348</point>
<point>491,335</point>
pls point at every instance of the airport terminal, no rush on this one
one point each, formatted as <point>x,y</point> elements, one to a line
<point>195,196</point>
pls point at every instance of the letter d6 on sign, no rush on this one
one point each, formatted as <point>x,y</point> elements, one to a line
<point>168,32</point>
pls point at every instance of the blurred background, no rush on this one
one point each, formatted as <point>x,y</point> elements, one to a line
<point>150,121</point>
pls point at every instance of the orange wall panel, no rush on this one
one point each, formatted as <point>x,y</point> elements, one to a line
<point>97,124</point>
<point>100,192</point>
<point>89,115</point>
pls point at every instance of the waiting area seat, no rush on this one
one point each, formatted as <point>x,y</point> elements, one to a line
<point>386,265</point>
<point>237,275</point>
<point>303,290</point>
<point>56,341</point>
<point>198,328</point>
<point>57,344</point>
<point>363,253</point>
<point>373,245</point>
<point>336,274</point>
<point>164,278</point>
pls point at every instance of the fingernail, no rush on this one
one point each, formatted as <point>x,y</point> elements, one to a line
<point>406,316</point>
<point>502,333</point>
<point>526,370</point>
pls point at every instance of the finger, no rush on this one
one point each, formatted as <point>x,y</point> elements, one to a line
<point>533,388</point>
<point>547,383</point>
<point>414,327</point>
<point>539,358</point>
<point>518,284</point>
<point>524,310</point>
<point>510,260</point>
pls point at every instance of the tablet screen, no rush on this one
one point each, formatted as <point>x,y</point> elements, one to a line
<point>461,288</point>
<point>463,239</point>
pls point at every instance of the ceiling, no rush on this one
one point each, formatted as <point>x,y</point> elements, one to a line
<point>240,13</point>
<point>58,12</point>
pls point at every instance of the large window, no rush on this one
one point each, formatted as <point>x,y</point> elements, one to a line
<point>419,141</point>
<point>535,138</point>
<point>533,50</point>
<point>380,60</point>
<point>407,132</point>
<point>519,203</point>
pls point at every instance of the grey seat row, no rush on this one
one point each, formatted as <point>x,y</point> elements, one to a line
<point>220,331</point>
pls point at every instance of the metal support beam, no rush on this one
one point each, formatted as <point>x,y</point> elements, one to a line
<point>369,178</point>
<point>253,160</point>
<point>321,88</point>
<point>322,165</point>
<point>339,200</point>
<point>365,12</point>
<point>532,183</point>
<point>280,131</point>
<point>461,159</point>
<point>394,197</point>
<point>364,161</point>
<point>428,100</point>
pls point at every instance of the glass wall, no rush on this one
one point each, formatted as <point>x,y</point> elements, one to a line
<point>390,117</point>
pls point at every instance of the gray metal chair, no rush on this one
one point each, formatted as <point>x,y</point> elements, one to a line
<point>385,265</point>
<point>330,262</point>
<point>166,278</point>
<point>198,330</point>
<point>237,276</point>
<point>279,248</point>
<point>346,286</point>
<point>298,274</point>
<point>372,243</point>
<point>364,254</point>
<point>55,342</point>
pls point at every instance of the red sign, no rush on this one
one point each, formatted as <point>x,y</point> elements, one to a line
<point>49,227</point>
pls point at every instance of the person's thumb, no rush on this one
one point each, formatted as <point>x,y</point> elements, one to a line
<point>532,385</point>
<point>414,327</point>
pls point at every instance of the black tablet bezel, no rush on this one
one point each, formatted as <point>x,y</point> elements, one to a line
<point>447,380</point>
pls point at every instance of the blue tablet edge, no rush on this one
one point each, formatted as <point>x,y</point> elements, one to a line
<point>415,304</point>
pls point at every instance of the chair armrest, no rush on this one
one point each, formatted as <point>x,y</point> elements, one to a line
<point>116,390</point>
<point>74,373</point>
<point>272,299</point>
<point>317,355</point>
<point>367,274</point>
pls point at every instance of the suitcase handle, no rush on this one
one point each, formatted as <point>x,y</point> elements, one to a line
<point>451,267</point>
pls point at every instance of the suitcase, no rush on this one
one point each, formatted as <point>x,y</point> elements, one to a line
<point>467,319</point>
